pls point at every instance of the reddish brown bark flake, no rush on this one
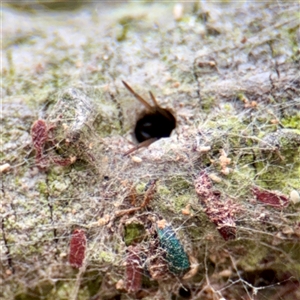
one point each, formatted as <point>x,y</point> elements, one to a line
<point>222,215</point>
<point>39,134</point>
<point>203,186</point>
<point>271,198</point>
<point>220,212</point>
<point>133,269</point>
<point>63,161</point>
<point>77,248</point>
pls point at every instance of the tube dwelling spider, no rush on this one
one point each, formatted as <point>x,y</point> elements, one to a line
<point>156,123</point>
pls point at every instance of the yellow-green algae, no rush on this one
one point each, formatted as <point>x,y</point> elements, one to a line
<point>134,233</point>
<point>154,53</point>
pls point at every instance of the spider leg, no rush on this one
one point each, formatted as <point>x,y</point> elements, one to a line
<point>141,145</point>
<point>138,97</point>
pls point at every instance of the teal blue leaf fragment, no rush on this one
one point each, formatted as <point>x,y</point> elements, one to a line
<point>175,255</point>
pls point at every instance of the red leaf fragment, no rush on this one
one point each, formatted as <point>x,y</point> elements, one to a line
<point>39,134</point>
<point>271,198</point>
<point>133,269</point>
<point>220,212</point>
<point>227,231</point>
<point>77,248</point>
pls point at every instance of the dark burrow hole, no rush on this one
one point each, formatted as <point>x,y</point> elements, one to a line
<point>185,292</point>
<point>156,124</point>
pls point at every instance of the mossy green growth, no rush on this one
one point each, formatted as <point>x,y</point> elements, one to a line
<point>140,188</point>
<point>251,259</point>
<point>35,5</point>
<point>63,290</point>
<point>275,176</point>
<point>42,187</point>
<point>208,103</point>
<point>281,160</point>
<point>179,184</point>
<point>134,233</point>
<point>292,121</point>
<point>93,280</point>
<point>163,190</point>
<point>105,256</point>
<point>123,29</point>
<point>39,292</point>
<point>292,250</point>
<point>181,201</point>
<point>24,296</point>
<point>177,258</point>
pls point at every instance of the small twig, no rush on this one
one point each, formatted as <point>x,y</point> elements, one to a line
<point>149,193</point>
<point>124,212</point>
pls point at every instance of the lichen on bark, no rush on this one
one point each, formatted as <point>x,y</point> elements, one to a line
<point>228,73</point>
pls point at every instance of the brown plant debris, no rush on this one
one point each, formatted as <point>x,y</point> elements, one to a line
<point>133,269</point>
<point>151,190</point>
<point>158,265</point>
<point>221,213</point>
<point>39,135</point>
